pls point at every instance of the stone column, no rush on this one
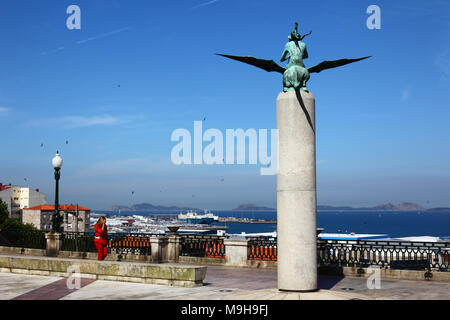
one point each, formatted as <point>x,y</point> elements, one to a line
<point>236,253</point>
<point>296,193</point>
<point>54,244</point>
<point>173,248</point>
<point>158,244</point>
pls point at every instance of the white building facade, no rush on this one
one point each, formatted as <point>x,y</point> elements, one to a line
<point>19,198</point>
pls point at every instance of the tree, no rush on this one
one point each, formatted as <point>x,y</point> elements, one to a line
<point>6,223</point>
<point>16,234</point>
<point>4,213</point>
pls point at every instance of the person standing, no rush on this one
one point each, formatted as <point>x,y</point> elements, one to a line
<point>101,238</point>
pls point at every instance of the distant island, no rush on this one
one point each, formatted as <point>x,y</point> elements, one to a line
<point>439,210</point>
<point>150,207</point>
<point>404,206</point>
<point>252,207</point>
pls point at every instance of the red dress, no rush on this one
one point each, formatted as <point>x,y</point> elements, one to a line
<point>101,242</point>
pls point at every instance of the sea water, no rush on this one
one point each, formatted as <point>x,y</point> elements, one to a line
<point>394,224</point>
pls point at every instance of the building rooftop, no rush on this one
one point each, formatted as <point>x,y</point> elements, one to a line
<point>63,207</point>
<point>3,187</point>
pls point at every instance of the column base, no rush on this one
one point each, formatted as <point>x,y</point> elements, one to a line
<point>300,291</point>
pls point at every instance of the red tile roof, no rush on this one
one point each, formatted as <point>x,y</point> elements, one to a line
<point>63,207</point>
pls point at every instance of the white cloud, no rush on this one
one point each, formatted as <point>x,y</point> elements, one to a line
<point>204,4</point>
<point>406,93</point>
<point>76,121</point>
<point>138,166</point>
<point>52,51</point>
<point>103,35</point>
<point>3,110</point>
<point>442,63</point>
<point>107,34</point>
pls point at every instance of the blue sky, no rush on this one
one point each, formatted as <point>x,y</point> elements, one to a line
<point>136,71</point>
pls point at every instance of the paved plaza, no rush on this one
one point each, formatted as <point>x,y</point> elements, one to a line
<point>221,283</point>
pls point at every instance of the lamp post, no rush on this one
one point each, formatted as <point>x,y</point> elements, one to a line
<point>56,221</point>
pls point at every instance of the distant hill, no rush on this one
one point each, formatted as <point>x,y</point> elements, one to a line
<point>117,208</point>
<point>404,206</point>
<point>150,207</point>
<point>252,207</point>
<point>439,210</point>
<point>331,208</point>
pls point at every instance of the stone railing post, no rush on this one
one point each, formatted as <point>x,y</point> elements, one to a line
<point>54,244</point>
<point>173,248</point>
<point>158,244</point>
<point>236,252</point>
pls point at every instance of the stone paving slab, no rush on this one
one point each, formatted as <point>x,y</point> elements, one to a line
<point>14,285</point>
<point>396,289</point>
<point>230,283</point>
<point>53,291</point>
<point>274,294</point>
<point>107,290</point>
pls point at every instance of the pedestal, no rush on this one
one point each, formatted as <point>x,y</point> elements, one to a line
<point>236,252</point>
<point>54,244</point>
<point>173,248</point>
<point>158,244</point>
<point>296,193</point>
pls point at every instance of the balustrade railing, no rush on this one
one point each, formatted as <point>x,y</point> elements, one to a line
<point>119,243</point>
<point>202,246</point>
<point>131,243</point>
<point>431,256</point>
<point>78,242</point>
<point>262,248</point>
<point>385,254</point>
<point>32,239</point>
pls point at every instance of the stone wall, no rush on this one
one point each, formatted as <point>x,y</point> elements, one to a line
<point>32,217</point>
<point>167,274</point>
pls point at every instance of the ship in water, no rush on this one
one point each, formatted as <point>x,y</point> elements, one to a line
<point>193,217</point>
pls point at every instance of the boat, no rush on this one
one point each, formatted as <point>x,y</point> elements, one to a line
<point>193,217</point>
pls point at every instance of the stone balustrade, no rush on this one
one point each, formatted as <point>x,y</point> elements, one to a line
<point>352,258</point>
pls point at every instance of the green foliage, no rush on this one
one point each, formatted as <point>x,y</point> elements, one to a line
<point>16,234</point>
<point>4,213</point>
<point>16,226</point>
<point>8,224</point>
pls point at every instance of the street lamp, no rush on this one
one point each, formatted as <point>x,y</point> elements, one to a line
<point>57,165</point>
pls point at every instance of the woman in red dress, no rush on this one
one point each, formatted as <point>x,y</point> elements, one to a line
<point>101,238</point>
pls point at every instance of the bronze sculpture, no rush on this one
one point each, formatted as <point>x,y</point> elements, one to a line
<point>295,75</point>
